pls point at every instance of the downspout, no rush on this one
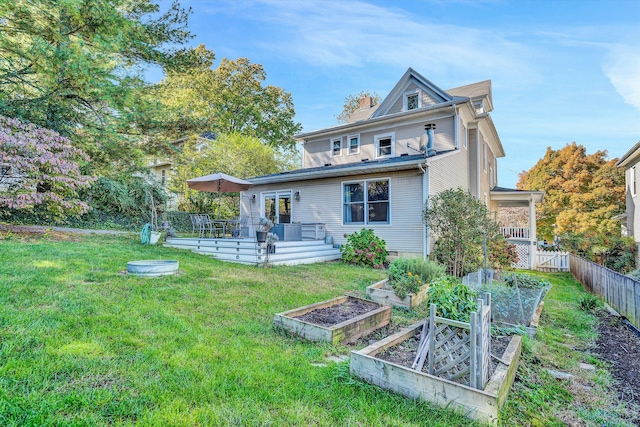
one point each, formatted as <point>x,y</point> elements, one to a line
<point>426,239</point>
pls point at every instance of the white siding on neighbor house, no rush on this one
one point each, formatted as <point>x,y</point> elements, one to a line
<point>318,152</point>
<point>321,201</point>
<point>633,201</point>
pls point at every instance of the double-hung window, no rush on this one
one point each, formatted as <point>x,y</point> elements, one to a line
<point>366,202</point>
<point>354,144</point>
<point>336,147</point>
<point>633,181</point>
<point>385,144</point>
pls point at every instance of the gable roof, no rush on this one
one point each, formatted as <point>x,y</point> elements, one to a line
<point>362,113</point>
<point>409,76</point>
<point>629,156</point>
<point>475,91</point>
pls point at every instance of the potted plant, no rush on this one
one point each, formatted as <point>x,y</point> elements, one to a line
<point>264,225</point>
<point>272,238</point>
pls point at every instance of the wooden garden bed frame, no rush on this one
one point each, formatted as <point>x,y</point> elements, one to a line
<point>347,331</point>
<point>482,405</point>
<point>388,296</point>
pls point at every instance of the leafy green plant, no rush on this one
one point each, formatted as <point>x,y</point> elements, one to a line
<point>364,248</point>
<point>453,299</point>
<point>407,275</point>
<point>589,302</point>
<point>526,281</point>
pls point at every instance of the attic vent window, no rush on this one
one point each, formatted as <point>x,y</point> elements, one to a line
<point>412,100</point>
<point>479,106</point>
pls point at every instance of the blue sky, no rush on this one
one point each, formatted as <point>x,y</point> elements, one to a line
<point>561,71</point>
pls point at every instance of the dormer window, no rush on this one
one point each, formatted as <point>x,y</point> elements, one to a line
<point>336,147</point>
<point>412,100</point>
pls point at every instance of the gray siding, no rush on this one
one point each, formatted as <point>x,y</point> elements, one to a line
<point>318,152</point>
<point>448,172</point>
<point>428,98</point>
<point>321,201</point>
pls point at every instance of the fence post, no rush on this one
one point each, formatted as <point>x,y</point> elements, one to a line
<point>432,334</point>
<point>473,356</point>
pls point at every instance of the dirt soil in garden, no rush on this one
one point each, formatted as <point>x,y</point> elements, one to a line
<point>339,313</point>
<point>620,347</point>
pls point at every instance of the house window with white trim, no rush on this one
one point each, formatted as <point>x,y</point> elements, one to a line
<point>336,147</point>
<point>366,202</point>
<point>354,144</point>
<point>385,144</point>
<point>412,100</point>
<point>633,181</point>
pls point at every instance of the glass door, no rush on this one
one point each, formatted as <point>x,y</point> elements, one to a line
<point>277,206</point>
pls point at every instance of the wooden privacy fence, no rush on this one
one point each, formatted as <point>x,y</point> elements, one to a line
<point>619,291</point>
<point>457,351</point>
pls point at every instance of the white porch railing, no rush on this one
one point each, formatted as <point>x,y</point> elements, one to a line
<point>515,232</point>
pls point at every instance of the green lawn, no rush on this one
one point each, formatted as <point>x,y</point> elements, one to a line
<point>83,344</point>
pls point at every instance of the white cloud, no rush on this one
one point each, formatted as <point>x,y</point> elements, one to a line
<point>623,70</point>
<point>354,33</point>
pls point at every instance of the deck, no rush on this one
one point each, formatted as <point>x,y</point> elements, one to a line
<point>248,251</point>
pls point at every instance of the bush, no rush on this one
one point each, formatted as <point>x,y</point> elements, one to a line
<point>635,275</point>
<point>407,275</point>
<point>614,252</point>
<point>526,281</point>
<point>364,248</point>
<point>453,299</point>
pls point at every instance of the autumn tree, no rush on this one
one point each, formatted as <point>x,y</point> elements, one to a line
<point>234,154</point>
<point>230,98</point>
<point>40,169</point>
<point>582,192</point>
<point>75,67</point>
<point>352,103</point>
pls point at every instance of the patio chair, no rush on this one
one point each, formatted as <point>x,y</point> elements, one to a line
<point>196,224</point>
<point>213,227</point>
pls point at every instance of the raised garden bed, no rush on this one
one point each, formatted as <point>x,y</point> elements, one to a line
<point>482,405</point>
<point>383,293</point>
<point>342,319</point>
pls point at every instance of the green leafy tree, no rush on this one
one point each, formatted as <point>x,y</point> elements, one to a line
<point>230,98</point>
<point>352,103</point>
<point>582,192</point>
<point>234,154</point>
<point>461,224</point>
<point>74,67</point>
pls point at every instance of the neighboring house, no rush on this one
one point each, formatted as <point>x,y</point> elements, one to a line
<point>378,170</point>
<point>162,167</point>
<point>630,222</point>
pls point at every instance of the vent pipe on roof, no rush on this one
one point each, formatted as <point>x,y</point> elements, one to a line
<point>430,128</point>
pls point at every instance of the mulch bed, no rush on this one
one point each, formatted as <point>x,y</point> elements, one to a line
<point>338,313</point>
<point>620,347</point>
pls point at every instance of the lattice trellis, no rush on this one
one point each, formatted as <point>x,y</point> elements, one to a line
<point>523,255</point>
<point>458,351</point>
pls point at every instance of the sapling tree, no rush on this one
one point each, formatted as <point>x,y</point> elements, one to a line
<point>462,225</point>
<point>40,169</point>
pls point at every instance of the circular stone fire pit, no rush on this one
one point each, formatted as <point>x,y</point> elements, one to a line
<point>152,268</point>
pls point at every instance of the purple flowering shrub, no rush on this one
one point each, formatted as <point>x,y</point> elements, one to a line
<point>364,248</point>
<point>40,168</point>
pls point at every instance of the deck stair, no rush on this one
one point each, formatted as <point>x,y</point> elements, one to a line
<point>248,251</point>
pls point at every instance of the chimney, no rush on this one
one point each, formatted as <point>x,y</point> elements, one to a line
<point>366,102</point>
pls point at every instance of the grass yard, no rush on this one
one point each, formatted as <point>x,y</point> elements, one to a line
<point>83,344</point>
